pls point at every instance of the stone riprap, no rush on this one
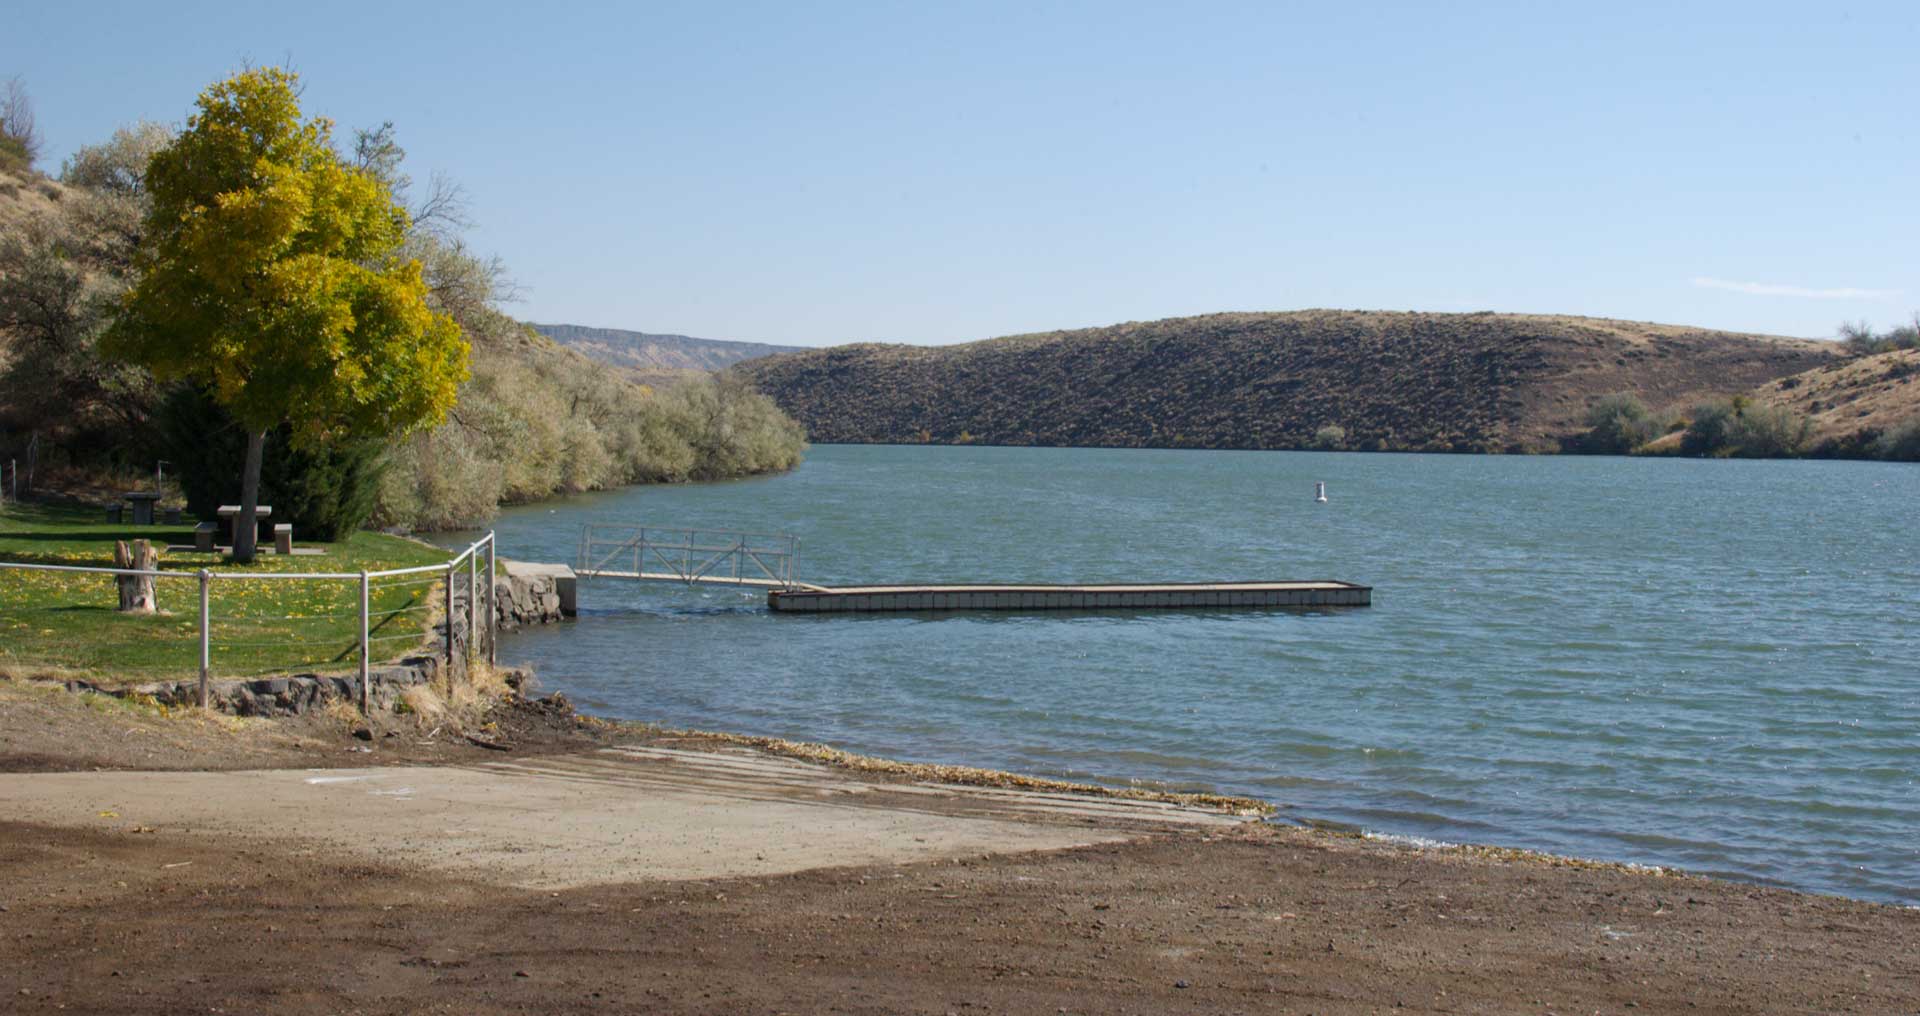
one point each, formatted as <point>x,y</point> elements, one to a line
<point>529,593</point>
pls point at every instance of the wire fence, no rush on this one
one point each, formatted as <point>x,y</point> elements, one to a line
<point>259,623</point>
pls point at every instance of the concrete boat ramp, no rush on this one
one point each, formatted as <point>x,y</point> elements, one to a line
<point>622,814</point>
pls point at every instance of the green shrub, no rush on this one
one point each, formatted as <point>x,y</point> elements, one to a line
<point>1862,339</point>
<point>1709,428</point>
<point>1332,438</point>
<point>1768,432</point>
<point>1901,443</point>
<point>1617,424</point>
<point>14,155</point>
<point>1746,430</point>
<point>325,493</point>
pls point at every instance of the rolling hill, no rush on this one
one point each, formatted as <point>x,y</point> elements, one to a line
<point>1851,401</point>
<point>1391,381</point>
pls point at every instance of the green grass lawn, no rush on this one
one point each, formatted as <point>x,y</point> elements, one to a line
<point>67,621</point>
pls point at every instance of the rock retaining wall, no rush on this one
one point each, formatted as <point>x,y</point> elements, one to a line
<point>293,694</point>
<point>533,593</point>
<point>524,595</point>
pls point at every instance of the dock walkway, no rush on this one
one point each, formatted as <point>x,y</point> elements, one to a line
<point>1143,596</point>
<point>769,561</point>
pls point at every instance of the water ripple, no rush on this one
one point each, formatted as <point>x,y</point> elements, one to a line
<point>1667,662</point>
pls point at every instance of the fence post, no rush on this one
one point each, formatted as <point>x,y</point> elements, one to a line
<point>366,647</point>
<point>450,567</point>
<point>206,635</point>
<point>473,600</point>
<point>493,605</point>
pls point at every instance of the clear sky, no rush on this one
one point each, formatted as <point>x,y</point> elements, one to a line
<point>907,172</point>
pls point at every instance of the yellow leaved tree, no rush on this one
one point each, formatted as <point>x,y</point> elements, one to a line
<point>270,273</point>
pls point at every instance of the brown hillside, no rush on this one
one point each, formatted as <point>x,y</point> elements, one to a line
<point>1461,382</point>
<point>1852,401</point>
<point>26,195</point>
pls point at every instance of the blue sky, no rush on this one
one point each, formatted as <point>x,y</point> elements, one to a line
<point>815,174</point>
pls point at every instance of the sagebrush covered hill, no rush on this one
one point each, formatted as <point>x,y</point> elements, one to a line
<point>1851,401</point>
<point>1393,381</point>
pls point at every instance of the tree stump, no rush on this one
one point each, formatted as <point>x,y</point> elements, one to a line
<point>136,591</point>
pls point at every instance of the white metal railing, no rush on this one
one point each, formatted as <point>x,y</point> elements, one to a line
<point>444,575</point>
<point>665,553</point>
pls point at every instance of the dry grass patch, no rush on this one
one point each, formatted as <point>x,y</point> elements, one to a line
<point>463,711</point>
<point>1873,393</point>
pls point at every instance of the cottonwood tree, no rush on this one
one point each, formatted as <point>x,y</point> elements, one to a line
<point>271,273</point>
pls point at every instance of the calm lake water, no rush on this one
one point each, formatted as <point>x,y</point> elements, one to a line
<point>1708,665</point>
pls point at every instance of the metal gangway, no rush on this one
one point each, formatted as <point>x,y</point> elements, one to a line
<point>704,556</point>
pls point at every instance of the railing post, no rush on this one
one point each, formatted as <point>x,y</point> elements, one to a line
<point>206,635</point>
<point>366,646</point>
<point>450,567</point>
<point>473,599</point>
<point>493,605</point>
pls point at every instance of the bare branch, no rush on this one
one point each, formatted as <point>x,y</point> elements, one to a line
<point>444,213</point>
<point>17,124</point>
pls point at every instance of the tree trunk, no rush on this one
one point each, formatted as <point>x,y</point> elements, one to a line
<point>136,591</point>
<point>246,529</point>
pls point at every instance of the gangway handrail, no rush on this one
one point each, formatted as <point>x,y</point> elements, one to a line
<point>689,554</point>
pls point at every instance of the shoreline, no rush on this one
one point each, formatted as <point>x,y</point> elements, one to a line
<point>1268,812</point>
<point>408,869</point>
<point>1276,814</point>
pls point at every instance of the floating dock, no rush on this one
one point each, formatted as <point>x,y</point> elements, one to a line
<point>1156,596</point>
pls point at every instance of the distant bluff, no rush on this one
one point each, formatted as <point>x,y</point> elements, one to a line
<point>648,351</point>
<point>1392,381</point>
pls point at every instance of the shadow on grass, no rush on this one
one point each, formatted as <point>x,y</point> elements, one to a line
<point>155,535</point>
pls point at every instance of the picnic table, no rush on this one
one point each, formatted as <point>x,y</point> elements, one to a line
<point>142,502</point>
<point>230,514</point>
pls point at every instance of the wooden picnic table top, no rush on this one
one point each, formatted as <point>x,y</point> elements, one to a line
<point>226,510</point>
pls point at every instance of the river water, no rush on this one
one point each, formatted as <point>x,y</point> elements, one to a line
<point>1706,665</point>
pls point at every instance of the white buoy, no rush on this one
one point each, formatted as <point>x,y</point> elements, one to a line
<point>1320,493</point>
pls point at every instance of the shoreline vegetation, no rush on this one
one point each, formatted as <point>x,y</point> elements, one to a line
<point>533,420</point>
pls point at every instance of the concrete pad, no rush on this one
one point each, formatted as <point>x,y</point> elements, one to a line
<point>616,815</point>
